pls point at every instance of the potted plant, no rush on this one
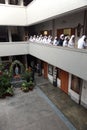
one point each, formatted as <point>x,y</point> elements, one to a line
<point>4,84</point>
<point>2,92</point>
<point>26,76</point>
<point>31,85</point>
<point>9,91</point>
<point>24,86</point>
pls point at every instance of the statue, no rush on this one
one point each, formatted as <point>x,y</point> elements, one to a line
<point>16,70</point>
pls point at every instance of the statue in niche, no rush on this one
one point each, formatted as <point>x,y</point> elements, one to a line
<point>16,70</point>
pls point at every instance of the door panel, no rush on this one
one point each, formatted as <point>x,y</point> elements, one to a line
<point>64,76</point>
<point>45,70</point>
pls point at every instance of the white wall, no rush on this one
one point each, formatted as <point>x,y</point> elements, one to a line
<point>50,77</point>
<point>71,60</point>
<point>37,11</point>
<point>84,94</point>
<point>12,15</point>
<point>13,48</point>
<point>40,10</point>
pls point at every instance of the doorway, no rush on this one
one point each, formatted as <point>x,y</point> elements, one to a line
<point>64,77</point>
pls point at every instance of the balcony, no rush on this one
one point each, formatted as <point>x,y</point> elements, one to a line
<point>13,48</point>
<point>71,60</point>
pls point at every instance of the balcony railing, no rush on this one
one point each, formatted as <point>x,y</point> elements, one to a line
<point>71,60</point>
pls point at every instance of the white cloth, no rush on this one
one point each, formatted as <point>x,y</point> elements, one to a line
<point>62,36</point>
<point>65,42</point>
<point>81,43</point>
<point>55,42</point>
<point>71,42</point>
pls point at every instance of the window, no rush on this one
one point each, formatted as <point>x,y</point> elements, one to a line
<point>50,69</point>
<point>3,34</point>
<point>75,84</point>
<point>5,58</point>
<point>13,2</point>
<point>2,1</point>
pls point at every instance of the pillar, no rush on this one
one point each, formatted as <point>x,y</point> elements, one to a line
<point>53,28</point>
<point>26,65</point>
<point>20,2</point>
<point>6,1</point>
<point>85,23</point>
<point>9,34</point>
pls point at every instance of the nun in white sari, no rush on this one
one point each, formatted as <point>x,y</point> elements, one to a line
<point>82,44</point>
<point>71,42</point>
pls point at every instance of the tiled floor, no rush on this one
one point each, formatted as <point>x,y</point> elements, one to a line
<point>75,113</point>
<point>31,111</point>
<point>34,110</point>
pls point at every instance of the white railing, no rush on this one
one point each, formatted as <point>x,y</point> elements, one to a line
<point>71,60</point>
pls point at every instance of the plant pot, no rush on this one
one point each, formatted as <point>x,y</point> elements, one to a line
<point>9,94</point>
<point>31,88</point>
<point>25,89</point>
<point>3,96</point>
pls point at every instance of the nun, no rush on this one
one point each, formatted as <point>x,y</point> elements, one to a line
<point>71,42</point>
<point>82,44</point>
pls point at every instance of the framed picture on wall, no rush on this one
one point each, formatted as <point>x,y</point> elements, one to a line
<point>67,31</point>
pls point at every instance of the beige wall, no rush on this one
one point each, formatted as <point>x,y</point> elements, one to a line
<point>67,21</point>
<point>14,48</point>
<point>73,61</point>
<point>12,15</point>
<point>40,10</point>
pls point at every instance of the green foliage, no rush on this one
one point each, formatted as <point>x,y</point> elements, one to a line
<point>14,63</point>
<point>4,84</point>
<point>10,91</point>
<point>30,84</point>
<point>1,67</point>
<point>2,91</point>
<point>26,76</point>
<point>24,86</point>
<point>5,81</point>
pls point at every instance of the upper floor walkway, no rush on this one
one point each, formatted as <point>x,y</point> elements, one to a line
<point>71,60</point>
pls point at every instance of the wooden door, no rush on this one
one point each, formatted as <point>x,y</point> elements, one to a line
<point>45,70</point>
<point>59,32</point>
<point>64,77</point>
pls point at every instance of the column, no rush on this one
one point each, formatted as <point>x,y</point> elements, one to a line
<point>85,23</point>
<point>20,2</point>
<point>6,1</point>
<point>53,28</point>
<point>9,34</point>
<point>25,57</point>
<point>0,60</point>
